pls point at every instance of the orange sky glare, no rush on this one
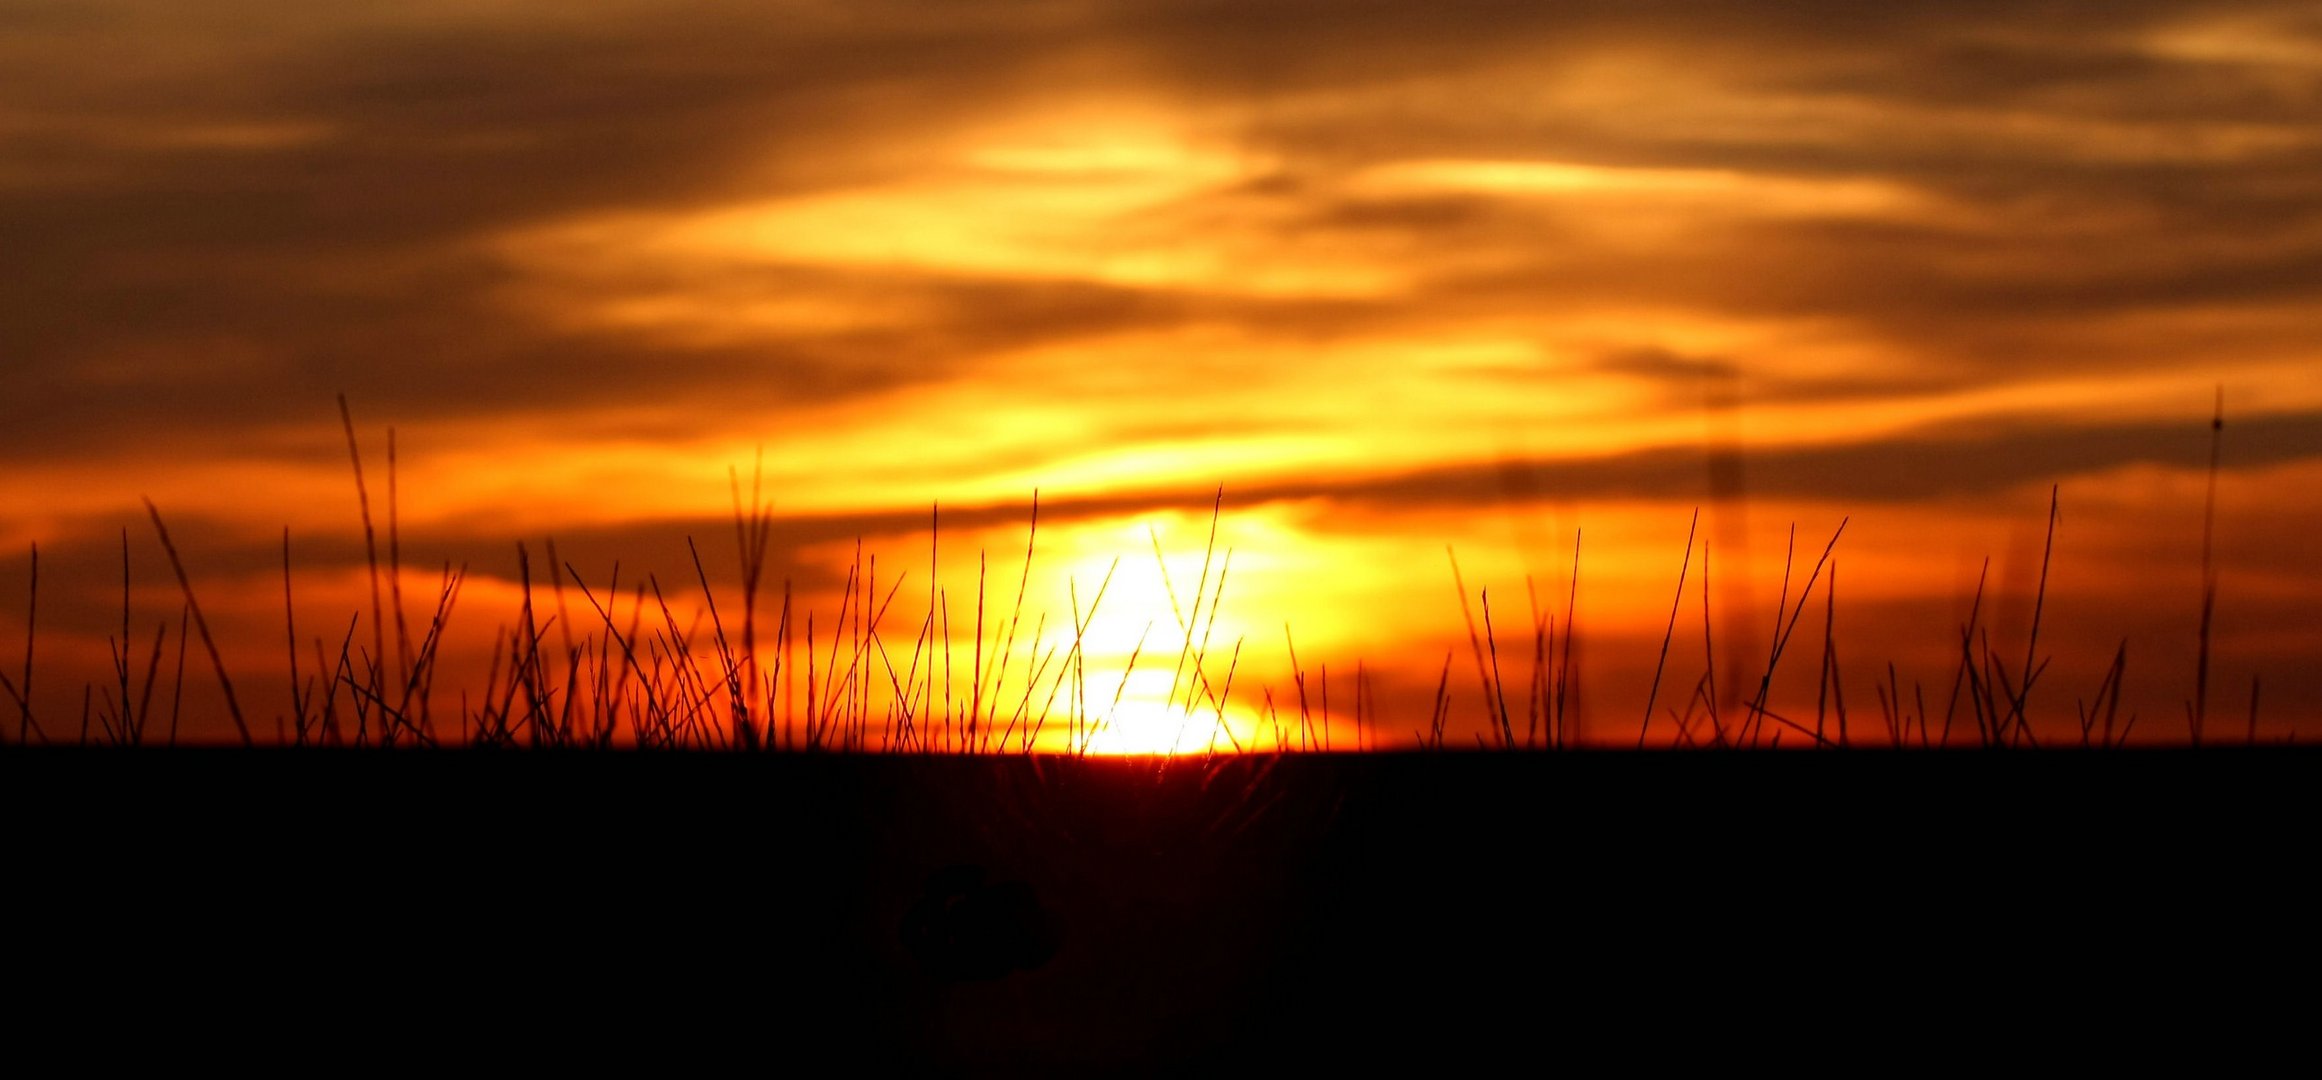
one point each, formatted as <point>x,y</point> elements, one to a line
<point>1400,280</point>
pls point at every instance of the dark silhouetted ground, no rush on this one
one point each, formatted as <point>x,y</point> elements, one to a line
<point>998,915</point>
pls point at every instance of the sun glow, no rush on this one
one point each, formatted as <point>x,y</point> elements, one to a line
<point>1152,728</point>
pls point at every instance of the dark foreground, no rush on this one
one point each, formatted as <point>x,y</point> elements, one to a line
<point>998,915</point>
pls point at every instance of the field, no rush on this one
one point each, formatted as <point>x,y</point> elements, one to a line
<point>754,819</point>
<point>996,914</point>
<point>1146,536</point>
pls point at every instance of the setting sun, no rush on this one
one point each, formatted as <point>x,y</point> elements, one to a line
<point>1150,728</point>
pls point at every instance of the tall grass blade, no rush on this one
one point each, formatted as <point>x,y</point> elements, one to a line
<point>233,706</point>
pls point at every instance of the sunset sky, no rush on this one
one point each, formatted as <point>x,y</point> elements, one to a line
<point>1398,277</point>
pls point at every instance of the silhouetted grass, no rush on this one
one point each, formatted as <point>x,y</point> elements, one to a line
<point>637,675</point>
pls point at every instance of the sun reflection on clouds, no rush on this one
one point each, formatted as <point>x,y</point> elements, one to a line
<point>1100,199</point>
<point>1726,191</point>
<point>1395,283</point>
